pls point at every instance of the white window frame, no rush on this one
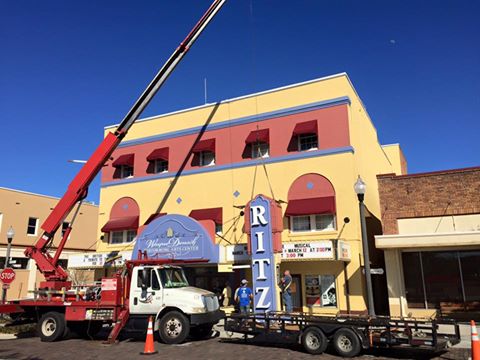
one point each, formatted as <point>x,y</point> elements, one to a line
<point>125,234</point>
<point>202,160</point>
<point>313,224</point>
<point>303,137</point>
<point>158,164</point>
<point>123,171</point>
<point>36,226</point>
<point>260,150</point>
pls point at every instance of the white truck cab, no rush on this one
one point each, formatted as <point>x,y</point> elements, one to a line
<point>179,310</point>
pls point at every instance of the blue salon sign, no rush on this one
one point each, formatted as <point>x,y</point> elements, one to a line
<point>263,263</point>
<point>176,237</point>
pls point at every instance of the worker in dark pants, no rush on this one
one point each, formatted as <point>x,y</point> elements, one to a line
<point>285,285</point>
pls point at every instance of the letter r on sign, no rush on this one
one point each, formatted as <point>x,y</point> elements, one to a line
<point>258,215</point>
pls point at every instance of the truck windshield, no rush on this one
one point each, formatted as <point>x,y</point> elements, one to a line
<point>173,278</point>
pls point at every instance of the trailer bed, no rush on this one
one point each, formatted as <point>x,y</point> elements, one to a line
<point>373,332</point>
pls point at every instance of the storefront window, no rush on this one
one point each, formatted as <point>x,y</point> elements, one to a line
<point>412,273</point>
<point>471,278</point>
<point>443,285</point>
<point>321,290</point>
<point>444,280</point>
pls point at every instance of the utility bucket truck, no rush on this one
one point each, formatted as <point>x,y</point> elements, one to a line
<point>145,286</point>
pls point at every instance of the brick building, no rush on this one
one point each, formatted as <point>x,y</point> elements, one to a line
<point>431,240</point>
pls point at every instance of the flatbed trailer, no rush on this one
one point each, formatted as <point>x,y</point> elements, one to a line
<point>348,335</point>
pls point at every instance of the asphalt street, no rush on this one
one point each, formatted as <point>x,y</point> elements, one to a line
<point>218,347</point>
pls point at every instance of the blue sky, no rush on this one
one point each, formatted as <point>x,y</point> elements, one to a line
<point>68,68</point>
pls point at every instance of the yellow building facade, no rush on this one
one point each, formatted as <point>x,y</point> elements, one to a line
<point>303,145</point>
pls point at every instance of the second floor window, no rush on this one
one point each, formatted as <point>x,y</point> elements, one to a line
<point>206,158</point>
<point>64,227</point>
<point>126,171</point>
<point>160,166</point>
<point>307,142</point>
<point>32,226</point>
<point>305,223</point>
<point>260,150</point>
<point>121,237</point>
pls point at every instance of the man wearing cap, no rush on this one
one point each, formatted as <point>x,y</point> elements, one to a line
<point>243,296</point>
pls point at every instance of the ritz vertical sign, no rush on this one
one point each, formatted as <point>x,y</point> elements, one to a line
<point>262,255</point>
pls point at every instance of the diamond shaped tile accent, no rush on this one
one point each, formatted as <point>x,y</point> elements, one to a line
<point>179,200</point>
<point>310,185</point>
<point>236,193</point>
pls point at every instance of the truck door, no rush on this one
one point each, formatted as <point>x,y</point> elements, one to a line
<point>145,291</point>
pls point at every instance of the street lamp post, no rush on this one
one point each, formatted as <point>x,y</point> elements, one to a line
<point>10,235</point>
<point>360,188</point>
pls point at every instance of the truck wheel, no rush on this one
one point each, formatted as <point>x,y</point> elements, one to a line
<point>174,327</point>
<point>201,332</point>
<point>346,343</point>
<point>51,326</point>
<point>314,341</point>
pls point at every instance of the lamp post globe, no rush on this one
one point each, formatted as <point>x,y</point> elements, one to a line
<point>360,188</point>
<point>10,234</point>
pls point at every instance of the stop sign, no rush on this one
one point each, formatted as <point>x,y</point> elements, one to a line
<point>7,275</point>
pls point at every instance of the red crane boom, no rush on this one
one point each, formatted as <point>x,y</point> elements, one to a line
<point>56,277</point>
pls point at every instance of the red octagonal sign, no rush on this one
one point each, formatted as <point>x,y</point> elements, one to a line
<point>7,275</point>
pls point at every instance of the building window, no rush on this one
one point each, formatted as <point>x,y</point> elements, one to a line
<point>32,226</point>
<point>307,142</point>
<point>260,150</point>
<point>126,171</point>
<point>321,290</point>
<point>1,221</point>
<point>15,263</point>
<point>64,227</point>
<point>122,237</point>
<point>206,158</point>
<point>160,166</point>
<point>305,223</point>
<point>443,280</point>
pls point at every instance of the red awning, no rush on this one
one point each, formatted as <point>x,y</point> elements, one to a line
<point>205,145</point>
<point>157,154</point>
<point>153,217</point>
<point>258,136</point>
<point>123,223</point>
<point>126,159</point>
<point>323,205</point>
<point>214,214</point>
<point>307,127</point>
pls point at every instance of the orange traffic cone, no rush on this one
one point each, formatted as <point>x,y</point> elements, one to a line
<point>475,342</point>
<point>149,346</point>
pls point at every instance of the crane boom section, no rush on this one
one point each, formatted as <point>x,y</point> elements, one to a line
<point>77,190</point>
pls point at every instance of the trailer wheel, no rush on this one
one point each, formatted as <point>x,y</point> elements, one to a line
<point>346,343</point>
<point>174,327</point>
<point>51,327</point>
<point>314,341</point>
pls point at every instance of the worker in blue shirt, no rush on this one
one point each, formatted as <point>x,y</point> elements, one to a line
<point>243,296</point>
